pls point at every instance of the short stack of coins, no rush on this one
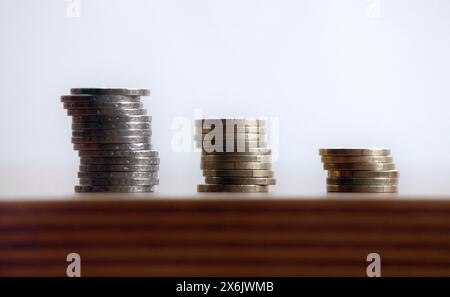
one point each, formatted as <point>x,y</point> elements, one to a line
<point>235,156</point>
<point>112,134</point>
<point>364,170</point>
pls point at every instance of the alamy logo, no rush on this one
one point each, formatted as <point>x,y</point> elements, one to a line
<point>374,267</point>
<point>74,268</point>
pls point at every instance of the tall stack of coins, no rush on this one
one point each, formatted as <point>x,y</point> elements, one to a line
<point>369,170</point>
<point>112,134</point>
<point>235,157</point>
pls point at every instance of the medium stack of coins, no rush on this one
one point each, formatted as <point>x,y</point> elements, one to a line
<point>369,170</point>
<point>112,134</point>
<point>235,157</point>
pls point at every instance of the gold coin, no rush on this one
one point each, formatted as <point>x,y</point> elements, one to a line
<point>229,137</point>
<point>360,166</point>
<point>358,159</point>
<point>244,129</point>
<point>233,188</point>
<point>236,165</point>
<point>240,180</point>
<point>363,174</point>
<point>224,122</point>
<point>354,152</point>
<point>382,181</point>
<point>362,188</point>
<point>250,151</point>
<point>238,173</point>
<point>230,148</point>
<point>238,158</point>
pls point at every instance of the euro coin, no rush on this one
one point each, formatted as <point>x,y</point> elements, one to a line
<point>90,168</point>
<point>114,132</point>
<point>113,146</point>
<point>240,181</point>
<point>111,126</point>
<point>358,159</point>
<point>228,122</point>
<point>90,105</point>
<point>81,119</point>
<point>362,188</point>
<point>251,151</point>
<point>363,174</point>
<point>236,165</point>
<point>106,111</point>
<point>110,91</point>
<point>233,130</point>
<point>119,189</point>
<point>99,99</point>
<point>238,173</point>
<point>126,154</point>
<point>238,158</point>
<point>119,175</point>
<point>362,181</point>
<point>118,160</point>
<point>360,166</point>
<point>111,139</point>
<point>354,152</point>
<point>233,188</point>
<point>119,182</point>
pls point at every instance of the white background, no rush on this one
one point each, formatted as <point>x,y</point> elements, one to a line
<point>335,73</point>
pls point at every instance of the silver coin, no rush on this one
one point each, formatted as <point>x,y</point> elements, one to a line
<point>237,158</point>
<point>105,133</point>
<point>252,151</point>
<point>90,168</point>
<point>110,119</point>
<point>241,181</point>
<point>119,175</point>
<point>110,91</point>
<point>118,161</point>
<point>113,146</point>
<point>112,139</point>
<point>119,182</point>
<point>90,105</point>
<point>118,126</point>
<point>238,173</point>
<point>233,188</point>
<point>120,189</point>
<point>106,111</point>
<point>100,99</point>
<point>236,165</point>
<point>126,154</point>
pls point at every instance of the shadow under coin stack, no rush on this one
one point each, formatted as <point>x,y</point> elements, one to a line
<point>369,170</point>
<point>112,134</point>
<point>235,157</point>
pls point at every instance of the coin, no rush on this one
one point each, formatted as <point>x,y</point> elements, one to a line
<point>360,166</point>
<point>111,139</point>
<point>111,91</point>
<point>238,173</point>
<point>115,132</point>
<point>361,181</point>
<point>121,189</point>
<point>100,99</point>
<point>362,188</point>
<point>244,129</point>
<point>119,175</point>
<point>126,154</point>
<point>354,152</point>
<point>238,158</point>
<point>118,160</point>
<point>363,174</point>
<point>90,105</point>
<point>90,168</point>
<point>106,111</point>
<point>208,123</point>
<point>118,182</point>
<point>240,180</point>
<point>251,151</point>
<point>113,146</point>
<point>118,126</point>
<point>236,165</point>
<point>240,146</point>
<point>358,159</point>
<point>229,137</point>
<point>110,119</point>
<point>233,188</point>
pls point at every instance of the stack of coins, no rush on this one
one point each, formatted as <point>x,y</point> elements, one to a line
<point>235,157</point>
<point>112,134</point>
<point>369,170</point>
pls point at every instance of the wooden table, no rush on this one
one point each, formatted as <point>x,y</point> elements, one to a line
<point>225,235</point>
